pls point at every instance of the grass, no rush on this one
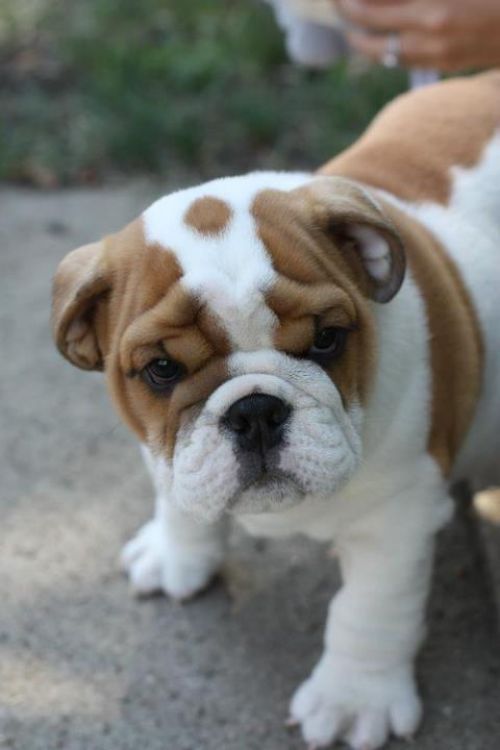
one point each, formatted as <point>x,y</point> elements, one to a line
<point>124,86</point>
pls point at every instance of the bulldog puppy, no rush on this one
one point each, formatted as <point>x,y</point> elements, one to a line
<point>314,353</point>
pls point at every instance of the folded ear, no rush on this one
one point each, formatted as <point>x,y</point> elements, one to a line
<point>366,237</point>
<point>78,300</point>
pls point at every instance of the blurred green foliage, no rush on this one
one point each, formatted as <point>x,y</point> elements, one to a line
<point>154,85</point>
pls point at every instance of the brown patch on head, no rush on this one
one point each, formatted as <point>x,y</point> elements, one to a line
<point>177,327</point>
<point>90,281</point>
<point>298,307</point>
<point>118,305</point>
<point>191,395</point>
<point>156,418</point>
<point>319,287</point>
<point>78,301</point>
<point>411,147</point>
<point>456,344</point>
<point>208,216</point>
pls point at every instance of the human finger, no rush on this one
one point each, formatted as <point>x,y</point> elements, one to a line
<point>382,16</point>
<point>414,49</point>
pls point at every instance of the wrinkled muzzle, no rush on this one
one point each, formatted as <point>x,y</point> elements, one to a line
<point>274,433</point>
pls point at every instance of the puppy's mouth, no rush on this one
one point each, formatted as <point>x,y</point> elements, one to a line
<point>268,479</point>
<point>269,489</point>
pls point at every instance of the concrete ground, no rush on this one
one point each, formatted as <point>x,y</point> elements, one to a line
<point>83,665</point>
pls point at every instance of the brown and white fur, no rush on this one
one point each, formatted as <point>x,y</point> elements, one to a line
<point>233,279</point>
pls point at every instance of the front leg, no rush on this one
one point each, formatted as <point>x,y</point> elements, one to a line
<point>363,687</point>
<point>173,552</point>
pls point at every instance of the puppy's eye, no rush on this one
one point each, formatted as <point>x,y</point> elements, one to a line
<point>162,374</point>
<point>328,344</point>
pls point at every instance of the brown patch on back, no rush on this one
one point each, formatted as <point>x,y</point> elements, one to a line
<point>208,216</point>
<point>411,147</point>
<point>456,345</point>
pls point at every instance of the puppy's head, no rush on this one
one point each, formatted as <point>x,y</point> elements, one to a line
<point>235,325</point>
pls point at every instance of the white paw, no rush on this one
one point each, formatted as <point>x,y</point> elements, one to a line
<point>155,563</point>
<point>362,707</point>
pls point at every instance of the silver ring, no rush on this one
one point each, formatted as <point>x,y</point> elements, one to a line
<point>392,53</point>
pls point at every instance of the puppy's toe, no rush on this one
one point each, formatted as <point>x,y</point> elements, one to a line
<point>321,722</point>
<point>362,708</point>
<point>145,575</point>
<point>369,731</point>
<point>406,714</point>
<point>135,547</point>
<point>141,558</point>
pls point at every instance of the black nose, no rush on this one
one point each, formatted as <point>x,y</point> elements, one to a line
<point>258,421</point>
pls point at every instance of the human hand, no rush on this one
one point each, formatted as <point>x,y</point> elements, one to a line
<point>445,34</point>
